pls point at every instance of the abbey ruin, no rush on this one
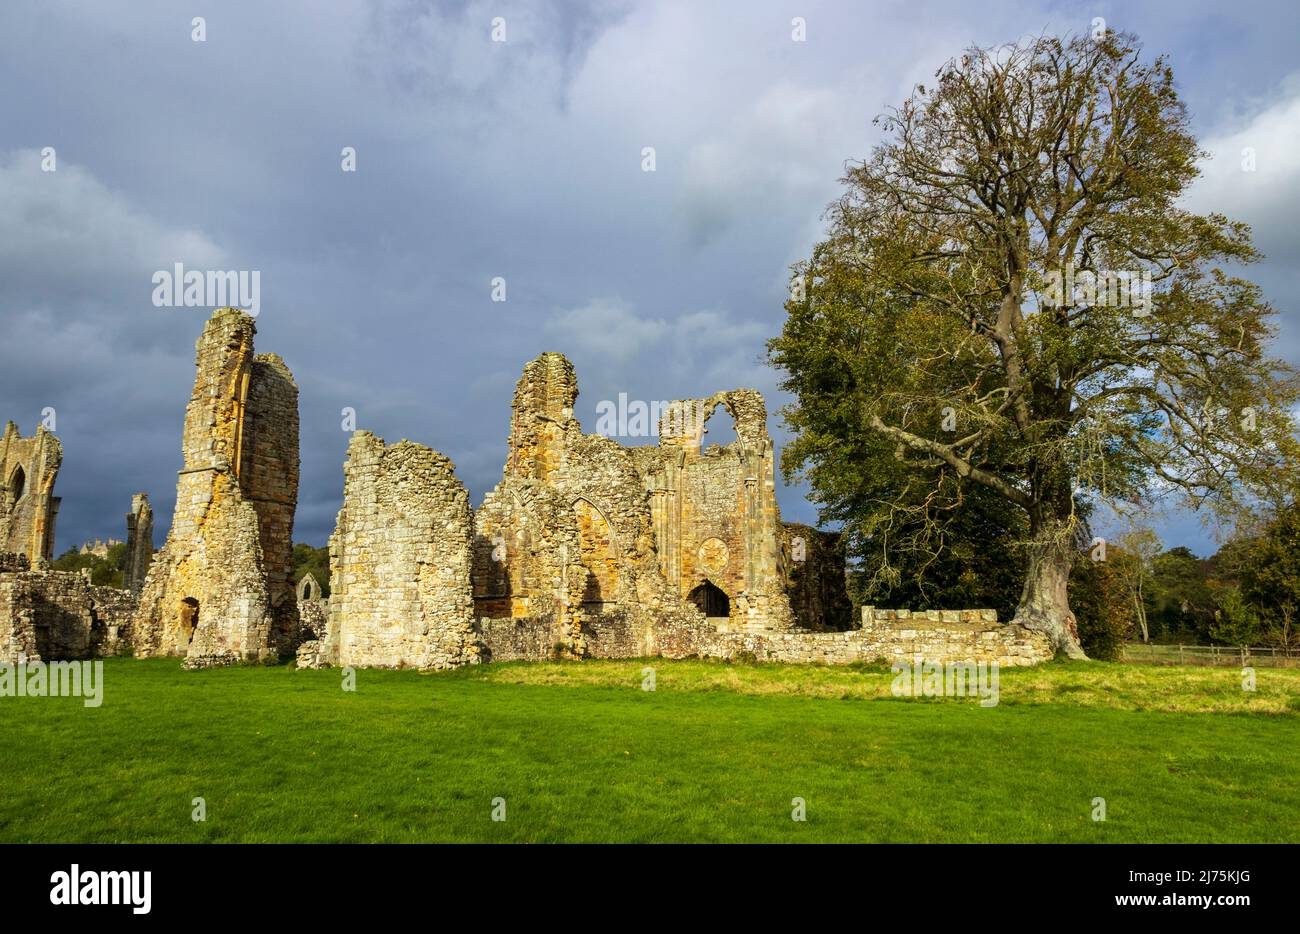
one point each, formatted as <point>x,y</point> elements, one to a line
<point>586,548</point>
<point>221,589</point>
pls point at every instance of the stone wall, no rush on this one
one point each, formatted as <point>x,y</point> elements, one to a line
<point>269,480</point>
<point>716,521</point>
<point>974,636</point>
<point>28,506</point>
<point>219,590</point>
<point>60,615</point>
<point>313,618</point>
<point>400,560</point>
<point>568,532</point>
<point>511,640</point>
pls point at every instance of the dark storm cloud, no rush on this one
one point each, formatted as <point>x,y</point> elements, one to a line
<point>476,160</point>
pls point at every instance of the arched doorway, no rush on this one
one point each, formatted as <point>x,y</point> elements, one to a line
<point>599,555</point>
<point>711,599</point>
<point>189,619</point>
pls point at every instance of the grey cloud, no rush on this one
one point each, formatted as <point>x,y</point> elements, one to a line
<point>474,161</point>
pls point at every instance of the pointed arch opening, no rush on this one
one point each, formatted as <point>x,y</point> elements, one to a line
<point>599,555</point>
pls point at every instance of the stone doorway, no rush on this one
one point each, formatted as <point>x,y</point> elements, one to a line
<point>189,619</point>
<point>712,600</point>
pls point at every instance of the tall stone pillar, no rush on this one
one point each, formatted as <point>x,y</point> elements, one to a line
<point>139,543</point>
<point>219,590</point>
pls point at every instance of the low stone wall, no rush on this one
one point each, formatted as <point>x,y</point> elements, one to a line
<point>873,617</point>
<point>512,640</point>
<point>60,615</point>
<point>939,636</point>
<point>1009,646</point>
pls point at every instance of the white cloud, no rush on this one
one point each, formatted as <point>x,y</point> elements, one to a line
<point>66,236</point>
<point>1268,198</point>
<point>783,154</point>
<point>609,327</point>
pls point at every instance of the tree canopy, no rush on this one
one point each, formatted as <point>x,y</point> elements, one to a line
<point>1013,304</point>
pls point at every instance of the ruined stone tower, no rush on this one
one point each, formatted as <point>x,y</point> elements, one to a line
<point>220,590</point>
<point>139,543</point>
<point>567,536</point>
<point>718,529</point>
<point>400,561</point>
<point>28,506</point>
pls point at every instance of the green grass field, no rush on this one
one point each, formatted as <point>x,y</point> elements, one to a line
<point>717,752</point>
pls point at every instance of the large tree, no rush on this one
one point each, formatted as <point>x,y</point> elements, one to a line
<point>978,315</point>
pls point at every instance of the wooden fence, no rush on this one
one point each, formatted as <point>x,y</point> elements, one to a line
<point>1226,655</point>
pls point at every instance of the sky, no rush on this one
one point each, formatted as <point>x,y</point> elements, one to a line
<point>478,161</point>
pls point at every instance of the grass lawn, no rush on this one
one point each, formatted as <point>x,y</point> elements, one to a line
<point>716,753</point>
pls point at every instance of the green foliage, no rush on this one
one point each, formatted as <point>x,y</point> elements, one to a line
<point>104,572</point>
<point>314,560</point>
<point>1102,606</point>
<point>1180,604</point>
<point>1270,576</point>
<point>1236,621</point>
<point>938,363</point>
<point>966,558</point>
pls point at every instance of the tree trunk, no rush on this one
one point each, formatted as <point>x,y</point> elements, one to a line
<point>1044,603</point>
<point>1140,611</point>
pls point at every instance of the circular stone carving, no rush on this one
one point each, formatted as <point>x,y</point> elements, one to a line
<point>713,554</point>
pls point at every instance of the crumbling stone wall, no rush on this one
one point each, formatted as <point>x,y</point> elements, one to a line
<point>139,543</point>
<point>527,559</point>
<point>716,519</point>
<point>656,525</point>
<point>28,506</point>
<point>313,618</point>
<point>59,615</point>
<point>269,480</point>
<point>566,536</point>
<point>219,590</point>
<point>400,560</point>
<point>974,636</point>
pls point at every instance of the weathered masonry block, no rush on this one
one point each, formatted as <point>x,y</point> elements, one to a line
<point>717,526</point>
<point>220,590</point>
<point>28,506</point>
<point>568,535</point>
<point>139,543</point>
<point>59,615</point>
<point>400,560</point>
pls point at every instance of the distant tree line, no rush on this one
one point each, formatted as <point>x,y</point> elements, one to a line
<point>104,572</point>
<point>107,571</point>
